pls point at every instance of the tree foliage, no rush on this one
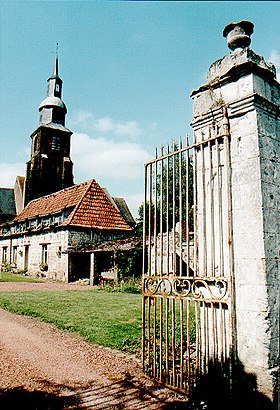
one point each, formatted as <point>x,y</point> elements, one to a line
<point>129,263</point>
<point>172,195</point>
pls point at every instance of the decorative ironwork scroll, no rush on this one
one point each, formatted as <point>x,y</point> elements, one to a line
<point>215,289</point>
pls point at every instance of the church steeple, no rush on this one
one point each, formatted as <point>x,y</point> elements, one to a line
<point>53,109</point>
<point>50,166</point>
<point>55,82</point>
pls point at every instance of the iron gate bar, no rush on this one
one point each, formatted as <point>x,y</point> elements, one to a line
<point>161,213</point>
<point>204,264</point>
<point>190,147</point>
<point>187,205</point>
<point>167,206</point>
<point>155,217</point>
<point>180,208</point>
<point>173,209</point>
<point>220,230</point>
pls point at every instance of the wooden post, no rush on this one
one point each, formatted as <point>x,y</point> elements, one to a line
<point>92,270</point>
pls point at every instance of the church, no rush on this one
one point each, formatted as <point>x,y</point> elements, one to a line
<point>48,224</point>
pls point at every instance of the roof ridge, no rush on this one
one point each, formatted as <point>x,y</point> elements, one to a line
<point>63,199</point>
<point>112,201</point>
<point>106,214</point>
<point>60,191</point>
<point>71,216</point>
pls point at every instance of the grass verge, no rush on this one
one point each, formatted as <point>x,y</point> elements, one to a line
<point>15,277</point>
<point>108,319</point>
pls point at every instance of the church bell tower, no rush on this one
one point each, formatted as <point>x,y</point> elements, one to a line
<point>50,167</point>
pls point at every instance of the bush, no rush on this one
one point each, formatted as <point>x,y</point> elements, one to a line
<point>43,267</point>
<point>6,267</point>
<point>22,272</point>
<point>125,286</point>
<point>131,286</point>
<point>129,263</point>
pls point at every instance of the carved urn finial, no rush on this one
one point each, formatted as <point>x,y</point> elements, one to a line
<point>238,34</point>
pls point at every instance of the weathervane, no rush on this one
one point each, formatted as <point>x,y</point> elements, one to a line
<point>56,51</point>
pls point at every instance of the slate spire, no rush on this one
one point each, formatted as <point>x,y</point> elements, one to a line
<point>53,109</point>
<point>55,70</point>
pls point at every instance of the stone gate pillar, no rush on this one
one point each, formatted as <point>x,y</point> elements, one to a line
<point>245,85</point>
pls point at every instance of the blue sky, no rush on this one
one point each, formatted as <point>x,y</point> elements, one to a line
<point>128,69</point>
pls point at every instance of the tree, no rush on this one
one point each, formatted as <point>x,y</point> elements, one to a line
<point>171,198</point>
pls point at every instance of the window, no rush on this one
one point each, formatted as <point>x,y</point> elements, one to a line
<point>14,255</point>
<point>55,143</point>
<point>44,254</point>
<point>4,254</point>
<point>57,88</point>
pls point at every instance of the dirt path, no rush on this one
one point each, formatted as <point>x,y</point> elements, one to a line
<point>44,368</point>
<point>44,286</point>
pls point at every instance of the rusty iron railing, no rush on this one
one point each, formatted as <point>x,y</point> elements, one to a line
<point>188,315</point>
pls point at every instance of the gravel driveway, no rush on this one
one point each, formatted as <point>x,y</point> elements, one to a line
<point>42,367</point>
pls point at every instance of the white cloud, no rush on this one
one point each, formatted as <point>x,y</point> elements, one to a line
<point>81,118</point>
<point>130,128</point>
<point>133,202</point>
<point>9,172</point>
<point>275,59</point>
<point>86,121</point>
<point>116,165</point>
<point>104,124</point>
<point>101,157</point>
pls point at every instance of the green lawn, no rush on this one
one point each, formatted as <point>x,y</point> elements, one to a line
<point>104,318</point>
<point>14,277</point>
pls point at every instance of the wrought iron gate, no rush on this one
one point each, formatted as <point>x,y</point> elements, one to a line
<point>187,275</point>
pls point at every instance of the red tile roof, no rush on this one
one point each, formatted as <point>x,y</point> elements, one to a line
<point>53,203</point>
<point>91,207</point>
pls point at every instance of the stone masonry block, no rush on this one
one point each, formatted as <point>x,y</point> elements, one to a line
<point>253,343</point>
<point>250,193</point>
<point>243,125</point>
<point>236,91</point>
<point>270,170</point>
<point>272,244</point>
<point>250,271</point>
<point>244,147</point>
<point>248,246</point>
<point>244,224</point>
<point>272,268</point>
<point>251,297</point>
<point>268,128</point>
<point>270,195</point>
<point>261,87</point>
<point>247,176</point>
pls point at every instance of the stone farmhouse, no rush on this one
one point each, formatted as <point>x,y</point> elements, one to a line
<point>46,221</point>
